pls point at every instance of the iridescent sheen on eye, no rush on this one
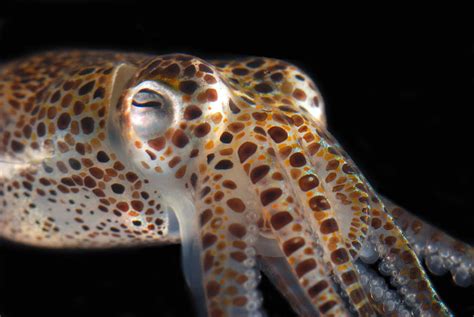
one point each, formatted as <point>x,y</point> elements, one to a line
<point>151,112</point>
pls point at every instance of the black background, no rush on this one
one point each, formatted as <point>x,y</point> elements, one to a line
<point>398,100</point>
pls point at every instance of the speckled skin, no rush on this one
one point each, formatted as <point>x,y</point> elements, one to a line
<point>230,158</point>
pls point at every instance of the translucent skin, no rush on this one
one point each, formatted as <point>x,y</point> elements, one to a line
<point>236,164</point>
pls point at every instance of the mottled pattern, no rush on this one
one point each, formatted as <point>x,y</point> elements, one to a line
<point>230,158</point>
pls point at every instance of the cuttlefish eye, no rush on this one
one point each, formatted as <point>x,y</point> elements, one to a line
<point>152,109</point>
<point>148,98</point>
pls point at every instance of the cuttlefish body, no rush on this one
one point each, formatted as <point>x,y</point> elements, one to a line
<point>232,159</point>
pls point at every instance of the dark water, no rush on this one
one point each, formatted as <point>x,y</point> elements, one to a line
<point>398,102</point>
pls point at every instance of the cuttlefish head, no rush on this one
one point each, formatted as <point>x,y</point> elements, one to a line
<point>182,121</point>
<point>178,107</point>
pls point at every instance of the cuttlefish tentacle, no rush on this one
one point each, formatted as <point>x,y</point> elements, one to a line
<point>385,241</point>
<point>340,176</point>
<point>282,276</point>
<point>317,209</point>
<point>399,261</point>
<point>441,252</point>
<point>289,227</point>
<point>227,233</point>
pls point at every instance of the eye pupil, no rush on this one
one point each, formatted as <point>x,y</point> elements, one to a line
<point>148,98</point>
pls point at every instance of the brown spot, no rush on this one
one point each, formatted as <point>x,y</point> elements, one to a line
<point>236,127</point>
<point>158,143</point>
<point>206,190</point>
<point>192,112</point>
<point>212,289</point>
<point>263,88</point>
<point>297,159</point>
<point>233,107</point>
<point>118,188</point>
<point>137,205</point>
<point>180,139</point>
<point>55,97</point>
<point>332,165</point>
<point>208,261</point>
<point>102,157</point>
<point>188,86</point>
<point>52,111</point>
<point>96,172</point>
<point>270,195</point>
<point>299,94</point>
<point>89,182</point>
<point>99,93</point>
<point>236,204</point>
<point>292,245</point>
<point>281,219</point>
<point>278,134</point>
<point>346,168</point>
<point>349,278</point>
<point>357,296</point>
<point>131,177</point>
<point>27,130</point>
<point>313,148</point>
<point>324,308</point>
<point>189,71</point>
<point>87,125</point>
<point>258,173</point>
<point>68,181</point>
<point>171,71</point>
<point>63,121</point>
<point>329,226</point>
<point>123,206</point>
<point>229,184</point>
<point>305,266</point>
<point>208,239</point>
<point>240,71</point>
<point>376,223</point>
<point>75,164</point>
<point>317,288</point>
<point>202,130</point>
<point>226,137</point>
<point>211,94</point>
<point>181,172</point>
<point>308,182</point>
<point>238,256</point>
<point>276,77</point>
<point>205,69</point>
<point>246,150</point>
<point>339,256</point>
<point>86,88</point>
<point>390,240</point>
<point>78,107</point>
<point>256,63</point>
<point>259,116</point>
<point>205,216</point>
<point>388,226</point>
<point>260,130</point>
<point>237,230</point>
<point>285,151</point>
<point>224,165</point>
<point>17,146</point>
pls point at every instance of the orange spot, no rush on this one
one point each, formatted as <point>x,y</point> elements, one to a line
<point>216,118</point>
<point>209,145</point>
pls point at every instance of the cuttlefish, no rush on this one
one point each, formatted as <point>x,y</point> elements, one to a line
<point>233,160</point>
